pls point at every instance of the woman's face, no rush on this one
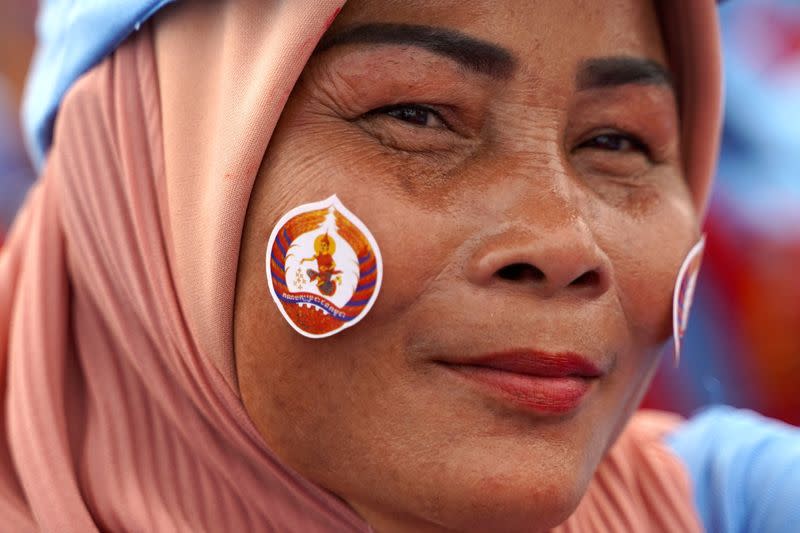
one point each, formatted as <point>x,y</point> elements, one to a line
<point>518,163</point>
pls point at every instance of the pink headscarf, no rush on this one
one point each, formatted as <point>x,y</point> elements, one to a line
<point>120,405</point>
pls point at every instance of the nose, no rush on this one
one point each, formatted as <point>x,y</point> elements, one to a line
<point>548,261</point>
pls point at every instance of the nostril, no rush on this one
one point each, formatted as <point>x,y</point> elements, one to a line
<point>587,279</point>
<point>520,272</point>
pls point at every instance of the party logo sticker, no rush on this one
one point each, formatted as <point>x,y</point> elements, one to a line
<point>684,293</point>
<point>324,268</point>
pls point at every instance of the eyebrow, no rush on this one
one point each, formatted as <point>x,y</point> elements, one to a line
<point>471,53</point>
<point>605,72</point>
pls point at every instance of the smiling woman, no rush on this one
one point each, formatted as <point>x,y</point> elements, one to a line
<point>532,209</point>
<point>497,197</point>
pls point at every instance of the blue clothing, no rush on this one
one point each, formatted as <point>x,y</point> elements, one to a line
<point>745,470</point>
<point>72,36</point>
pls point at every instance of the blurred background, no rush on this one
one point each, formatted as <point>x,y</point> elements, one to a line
<point>16,47</point>
<point>743,343</point>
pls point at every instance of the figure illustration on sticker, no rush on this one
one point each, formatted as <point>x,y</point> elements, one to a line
<point>324,268</point>
<point>324,246</point>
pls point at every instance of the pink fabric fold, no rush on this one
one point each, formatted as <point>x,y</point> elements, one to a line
<point>641,485</point>
<point>120,407</point>
<point>121,415</point>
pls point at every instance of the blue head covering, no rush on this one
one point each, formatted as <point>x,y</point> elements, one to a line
<point>72,36</point>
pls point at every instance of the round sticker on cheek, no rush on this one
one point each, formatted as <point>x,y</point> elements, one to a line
<point>324,268</point>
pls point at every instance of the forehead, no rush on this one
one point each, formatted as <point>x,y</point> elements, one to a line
<point>547,36</point>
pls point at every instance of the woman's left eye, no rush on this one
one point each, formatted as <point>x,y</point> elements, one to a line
<point>414,114</point>
<point>616,142</point>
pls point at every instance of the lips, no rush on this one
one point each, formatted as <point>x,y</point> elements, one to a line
<point>541,382</point>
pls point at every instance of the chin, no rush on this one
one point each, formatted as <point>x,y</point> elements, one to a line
<point>502,490</point>
<point>518,505</point>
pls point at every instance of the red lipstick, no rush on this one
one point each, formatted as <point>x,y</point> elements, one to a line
<point>545,383</point>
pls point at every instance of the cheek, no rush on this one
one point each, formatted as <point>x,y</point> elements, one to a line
<point>646,252</point>
<point>416,230</point>
<point>646,263</point>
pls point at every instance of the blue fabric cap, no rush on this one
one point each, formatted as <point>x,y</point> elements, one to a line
<point>745,470</point>
<point>73,36</point>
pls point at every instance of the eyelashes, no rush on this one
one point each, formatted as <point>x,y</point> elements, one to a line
<point>413,114</point>
<point>604,150</point>
<point>425,117</point>
<point>618,142</point>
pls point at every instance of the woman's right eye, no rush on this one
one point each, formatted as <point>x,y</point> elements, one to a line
<point>414,114</point>
<point>419,129</point>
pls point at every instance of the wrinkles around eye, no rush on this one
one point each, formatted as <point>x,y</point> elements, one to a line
<point>415,128</point>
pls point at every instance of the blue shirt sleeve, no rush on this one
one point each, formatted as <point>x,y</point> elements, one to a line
<point>72,36</point>
<point>745,469</point>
